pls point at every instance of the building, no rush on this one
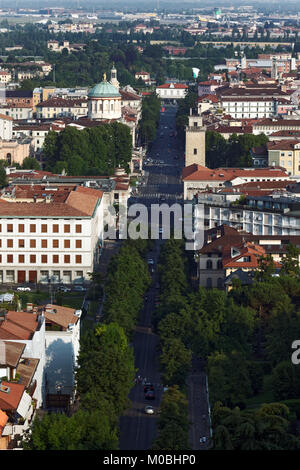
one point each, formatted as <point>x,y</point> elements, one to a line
<point>269,126</point>
<point>5,76</point>
<point>104,101</point>
<point>58,107</point>
<point>62,348</point>
<point>208,87</point>
<point>227,251</point>
<point>35,132</point>
<point>172,91</point>
<point>15,151</point>
<point>273,212</point>
<point>285,153</point>
<point>197,178</point>
<point>22,362</point>
<point>145,76</point>
<point>52,233</point>
<point>6,125</point>
<point>21,111</point>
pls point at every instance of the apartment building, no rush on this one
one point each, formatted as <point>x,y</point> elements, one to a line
<point>269,126</point>
<point>59,107</point>
<point>285,153</point>
<point>259,213</point>
<point>255,102</point>
<point>5,76</point>
<point>21,111</point>
<point>50,234</point>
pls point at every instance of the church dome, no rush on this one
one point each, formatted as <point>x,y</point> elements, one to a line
<point>104,90</point>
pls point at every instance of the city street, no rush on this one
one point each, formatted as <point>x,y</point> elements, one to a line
<point>161,184</point>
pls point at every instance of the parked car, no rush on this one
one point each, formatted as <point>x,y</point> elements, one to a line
<point>23,288</point>
<point>79,289</point>
<point>150,261</point>
<point>64,289</point>
<point>149,410</point>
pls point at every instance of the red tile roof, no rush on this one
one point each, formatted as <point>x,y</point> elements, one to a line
<point>18,325</point>
<point>175,85</point>
<point>3,421</point>
<point>10,401</point>
<point>196,172</point>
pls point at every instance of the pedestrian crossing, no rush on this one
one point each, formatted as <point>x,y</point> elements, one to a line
<point>160,195</point>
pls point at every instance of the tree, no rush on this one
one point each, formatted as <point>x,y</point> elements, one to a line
<point>285,381</point>
<point>30,163</point>
<point>105,367</point>
<point>290,262</point>
<point>82,431</point>
<point>3,177</point>
<point>173,424</point>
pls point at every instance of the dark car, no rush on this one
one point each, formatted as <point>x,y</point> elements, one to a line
<point>150,395</point>
<point>148,387</point>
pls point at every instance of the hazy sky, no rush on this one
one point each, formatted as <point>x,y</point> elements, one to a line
<point>150,4</point>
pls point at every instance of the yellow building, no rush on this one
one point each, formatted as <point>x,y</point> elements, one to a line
<point>285,153</point>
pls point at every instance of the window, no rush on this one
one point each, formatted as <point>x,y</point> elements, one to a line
<point>78,259</point>
<point>55,259</point>
<point>195,151</point>
<point>66,258</point>
<point>21,259</point>
<point>10,228</point>
<point>78,228</point>
<point>67,228</point>
<point>209,282</point>
<point>32,228</point>
<point>32,258</point>
<point>10,258</point>
<point>32,244</point>
<point>78,244</point>
<point>67,244</point>
<point>55,228</point>
<point>44,228</point>
<point>44,243</point>
<point>219,264</point>
<point>10,243</point>
<point>21,228</point>
<point>209,264</point>
<point>44,259</point>
<point>55,244</point>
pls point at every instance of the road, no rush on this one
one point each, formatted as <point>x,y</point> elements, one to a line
<point>161,184</point>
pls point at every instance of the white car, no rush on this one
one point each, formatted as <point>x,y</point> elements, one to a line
<point>161,230</point>
<point>23,288</point>
<point>149,410</point>
<point>203,439</point>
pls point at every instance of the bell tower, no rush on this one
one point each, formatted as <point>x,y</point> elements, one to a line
<point>195,139</point>
<point>113,78</point>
